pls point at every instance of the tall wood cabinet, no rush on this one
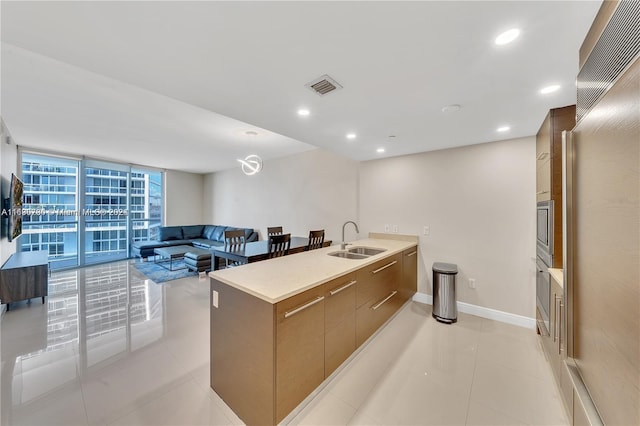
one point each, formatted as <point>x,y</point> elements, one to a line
<point>549,168</point>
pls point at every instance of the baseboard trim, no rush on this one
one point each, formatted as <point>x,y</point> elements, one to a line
<point>481,311</point>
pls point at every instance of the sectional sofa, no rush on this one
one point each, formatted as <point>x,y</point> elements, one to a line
<point>201,236</point>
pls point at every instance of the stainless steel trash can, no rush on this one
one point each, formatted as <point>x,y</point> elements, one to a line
<point>444,292</point>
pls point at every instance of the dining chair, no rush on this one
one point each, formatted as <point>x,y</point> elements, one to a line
<point>316,239</point>
<point>274,230</point>
<point>234,241</point>
<point>279,245</point>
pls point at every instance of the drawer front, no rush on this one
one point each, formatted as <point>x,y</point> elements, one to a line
<point>299,348</point>
<point>377,280</point>
<point>371,315</point>
<point>340,321</point>
<point>339,300</point>
<point>409,282</point>
<point>339,343</point>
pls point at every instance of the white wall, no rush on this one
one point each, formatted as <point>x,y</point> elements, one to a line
<point>312,190</point>
<point>8,165</point>
<point>183,198</point>
<point>479,202</point>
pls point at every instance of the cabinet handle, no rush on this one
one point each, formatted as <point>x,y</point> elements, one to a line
<point>383,301</point>
<point>303,307</point>
<point>560,329</point>
<point>344,287</point>
<point>385,267</point>
<point>542,155</point>
<point>412,253</point>
<point>542,192</point>
<point>557,314</point>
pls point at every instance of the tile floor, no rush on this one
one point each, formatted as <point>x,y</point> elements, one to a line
<point>110,347</point>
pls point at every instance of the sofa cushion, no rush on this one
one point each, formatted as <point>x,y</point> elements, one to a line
<point>218,233</point>
<point>149,245</point>
<point>168,233</point>
<point>172,243</point>
<point>198,254</point>
<point>193,231</point>
<point>208,232</point>
<point>247,234</point>
<point>204,243</point>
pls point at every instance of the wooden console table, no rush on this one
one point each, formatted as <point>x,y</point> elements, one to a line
<point>24,276</point>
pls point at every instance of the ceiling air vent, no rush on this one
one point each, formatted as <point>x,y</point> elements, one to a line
<point>613,53</point>
<point>323,85</point>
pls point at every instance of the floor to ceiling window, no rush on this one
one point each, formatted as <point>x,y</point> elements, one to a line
<point>51,192</point>
<point>87,211</point>
<point>145,205</point>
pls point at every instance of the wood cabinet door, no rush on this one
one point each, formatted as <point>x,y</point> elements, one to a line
<point>299,348</point>
<point>377,295</point>
<point>339,321</point>
<point>377,279</point>
<point>558,319</point>
<point>543,160</point>
<point>242,352</point>
<point>552,343</point>
<point>409,281</point>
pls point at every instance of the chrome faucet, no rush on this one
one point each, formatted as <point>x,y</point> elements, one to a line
<point>343,245</point>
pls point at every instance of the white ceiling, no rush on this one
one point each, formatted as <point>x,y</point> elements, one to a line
<point>177,84</point>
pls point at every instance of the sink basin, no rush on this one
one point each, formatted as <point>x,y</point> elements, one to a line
<point>368,251</point>
<point>347,255</point>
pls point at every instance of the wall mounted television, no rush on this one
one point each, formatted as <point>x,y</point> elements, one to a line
<point>14,206</point>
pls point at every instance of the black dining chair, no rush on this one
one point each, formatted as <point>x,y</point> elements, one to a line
<point>274,230</point>
<point>316,239</point>
<point>234,241</point>
<point>279,245</point>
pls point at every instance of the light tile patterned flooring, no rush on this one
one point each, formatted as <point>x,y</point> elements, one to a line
<point>113,348</point>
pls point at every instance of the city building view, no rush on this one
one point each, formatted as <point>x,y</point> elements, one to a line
<point>86,212</point>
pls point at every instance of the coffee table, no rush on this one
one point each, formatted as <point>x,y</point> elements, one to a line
<point>169,254</point>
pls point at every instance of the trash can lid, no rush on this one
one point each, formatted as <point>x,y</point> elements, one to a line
<point>445,268</point>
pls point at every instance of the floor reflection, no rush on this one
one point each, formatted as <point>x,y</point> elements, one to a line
<point>93,317</point>
<point>111,348</point>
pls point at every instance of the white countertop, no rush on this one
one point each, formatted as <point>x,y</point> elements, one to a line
<point>558,275</point>
<point>276,279</point>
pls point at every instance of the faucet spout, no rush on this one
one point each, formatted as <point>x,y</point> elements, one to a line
<point>343,245</point>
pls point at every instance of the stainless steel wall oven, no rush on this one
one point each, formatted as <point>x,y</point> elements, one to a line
<point>544,232</point>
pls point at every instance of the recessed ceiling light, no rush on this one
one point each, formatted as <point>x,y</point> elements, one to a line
<point>304,112</point>
<point>549,89</point>
<point>451,108</point>
<point>507,36</point>
<point>351,135</point>
<point>251,133</point>
<point>380,150</point>
<point>503,129</point>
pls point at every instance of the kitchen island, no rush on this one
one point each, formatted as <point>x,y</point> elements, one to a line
<point>280,327</point>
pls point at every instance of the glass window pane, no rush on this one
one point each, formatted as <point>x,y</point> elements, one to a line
<point>120,204</point>
<point>51,207</point>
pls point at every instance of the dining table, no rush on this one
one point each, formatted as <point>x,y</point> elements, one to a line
<point>256,251</point>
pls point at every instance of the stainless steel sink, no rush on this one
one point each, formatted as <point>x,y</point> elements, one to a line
<point>367,251</point>
<point>347,255</point>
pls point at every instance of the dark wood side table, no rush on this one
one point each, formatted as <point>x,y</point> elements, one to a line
<point>24,276</point>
